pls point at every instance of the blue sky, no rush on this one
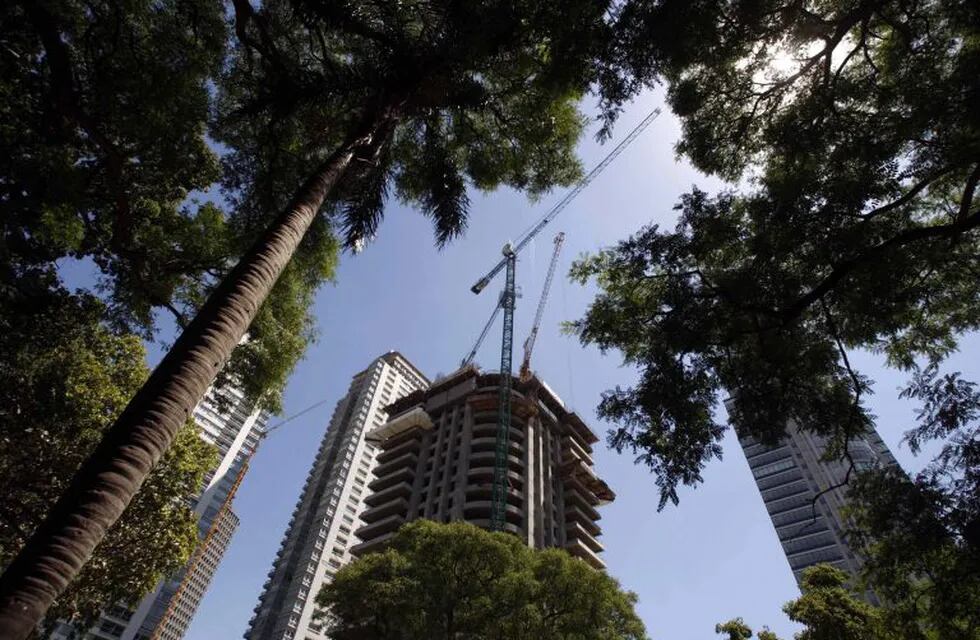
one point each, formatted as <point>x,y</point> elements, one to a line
<point>710,559</point>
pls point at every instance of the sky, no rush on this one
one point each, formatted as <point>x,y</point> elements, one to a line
<point>713,557</point>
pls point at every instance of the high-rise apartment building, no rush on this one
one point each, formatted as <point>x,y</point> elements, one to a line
<point>320,533</point>
<point>437,462</point>
<point>229,423</point>
<point>805,494</point>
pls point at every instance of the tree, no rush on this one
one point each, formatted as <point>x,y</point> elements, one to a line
<point>445,91</point>
<point>735,629</point>
<point>61,374</point>
<point>444,582</point>
<point>104,116</point>
<point>858,227</point>
<point>104,109</point>
<point>854,128</point>
<point>921,535</point>
<point>827,610</point>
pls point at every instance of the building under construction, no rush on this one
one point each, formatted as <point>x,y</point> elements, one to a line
<point>437,458</point>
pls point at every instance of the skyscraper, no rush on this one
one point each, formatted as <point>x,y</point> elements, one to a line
<point>320,533</point>
<point>229,423</point>
<point>805,494</point>
<point>437,462</point>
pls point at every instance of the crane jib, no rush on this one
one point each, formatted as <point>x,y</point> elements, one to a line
<point>482,283</point>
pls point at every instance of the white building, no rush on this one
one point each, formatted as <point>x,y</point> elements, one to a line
<point>227,422</point>
<point>320,533</point>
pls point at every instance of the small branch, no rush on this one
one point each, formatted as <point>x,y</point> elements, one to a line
<point>968,192</point>
<point>179,317</point>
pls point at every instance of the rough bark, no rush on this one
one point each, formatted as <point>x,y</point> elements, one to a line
<point>108,480</point>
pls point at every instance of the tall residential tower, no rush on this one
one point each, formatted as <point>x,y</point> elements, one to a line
<point>437,462</point>
<point>805,494</point>
<point>321,531</point>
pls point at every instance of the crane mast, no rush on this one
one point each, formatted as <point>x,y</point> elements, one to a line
<point>525,374</point>
<point>498,498</point>
<point>501,488</point>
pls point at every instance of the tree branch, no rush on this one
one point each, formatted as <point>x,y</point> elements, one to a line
<point>845,268</point>
<point>968,191</point>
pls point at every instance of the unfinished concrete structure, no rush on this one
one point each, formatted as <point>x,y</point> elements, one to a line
<point>437,459</point>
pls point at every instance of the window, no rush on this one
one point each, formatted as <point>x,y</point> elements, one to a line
<point>774,467</point>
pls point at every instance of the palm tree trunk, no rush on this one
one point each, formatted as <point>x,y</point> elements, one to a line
<point>108,480</point>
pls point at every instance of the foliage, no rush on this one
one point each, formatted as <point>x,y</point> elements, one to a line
<point>484,94</point>
<point>63,377</point>
<point>856,126</point>
<point>853,128</point>
<point>103,114</point>
<point>921,536</point>
<point>827,610</point>
<point>456,581</point>
<point>735,629</point>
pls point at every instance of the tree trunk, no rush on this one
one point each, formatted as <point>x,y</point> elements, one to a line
<point>108,480</point>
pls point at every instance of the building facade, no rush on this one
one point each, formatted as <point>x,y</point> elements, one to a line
<point>436,461</point>
<point>320,533</point>
<point>229,423</point>
<point>805,495</point>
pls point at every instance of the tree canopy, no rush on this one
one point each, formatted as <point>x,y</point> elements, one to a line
<point>105,116</point>
<point>454,581</point>
<point>854,125</point>
<point>61,374</point>
<point>852,129</point>
<point>828,610</point>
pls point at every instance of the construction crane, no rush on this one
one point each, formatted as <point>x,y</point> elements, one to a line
<point>525,373</point>
<point>498,503</point>
<point>483,334</point>
<point>482,283</point>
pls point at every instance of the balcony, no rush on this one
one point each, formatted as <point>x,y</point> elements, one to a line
<point>577,515</point>
<point>375,529</point>
<point>482,509</point>
<point>579,430</point>
<point>396,506</point>
<point>484,523</point>
<point>485,492</point>
<point>578,476</point>
<point>390,453</point>
<point>372,545</point>
<point>488,428</point>
<point>572,451</point>
<point>575,531</point>
<point>486,459</point>
<point>405,474</point>
<point>406,460</point>
<point>490,444</point>
<point>482,475</point>
<point>402,489</point>
<point>415,418</point>
<point>575,499</point>
<point>578,549</point>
